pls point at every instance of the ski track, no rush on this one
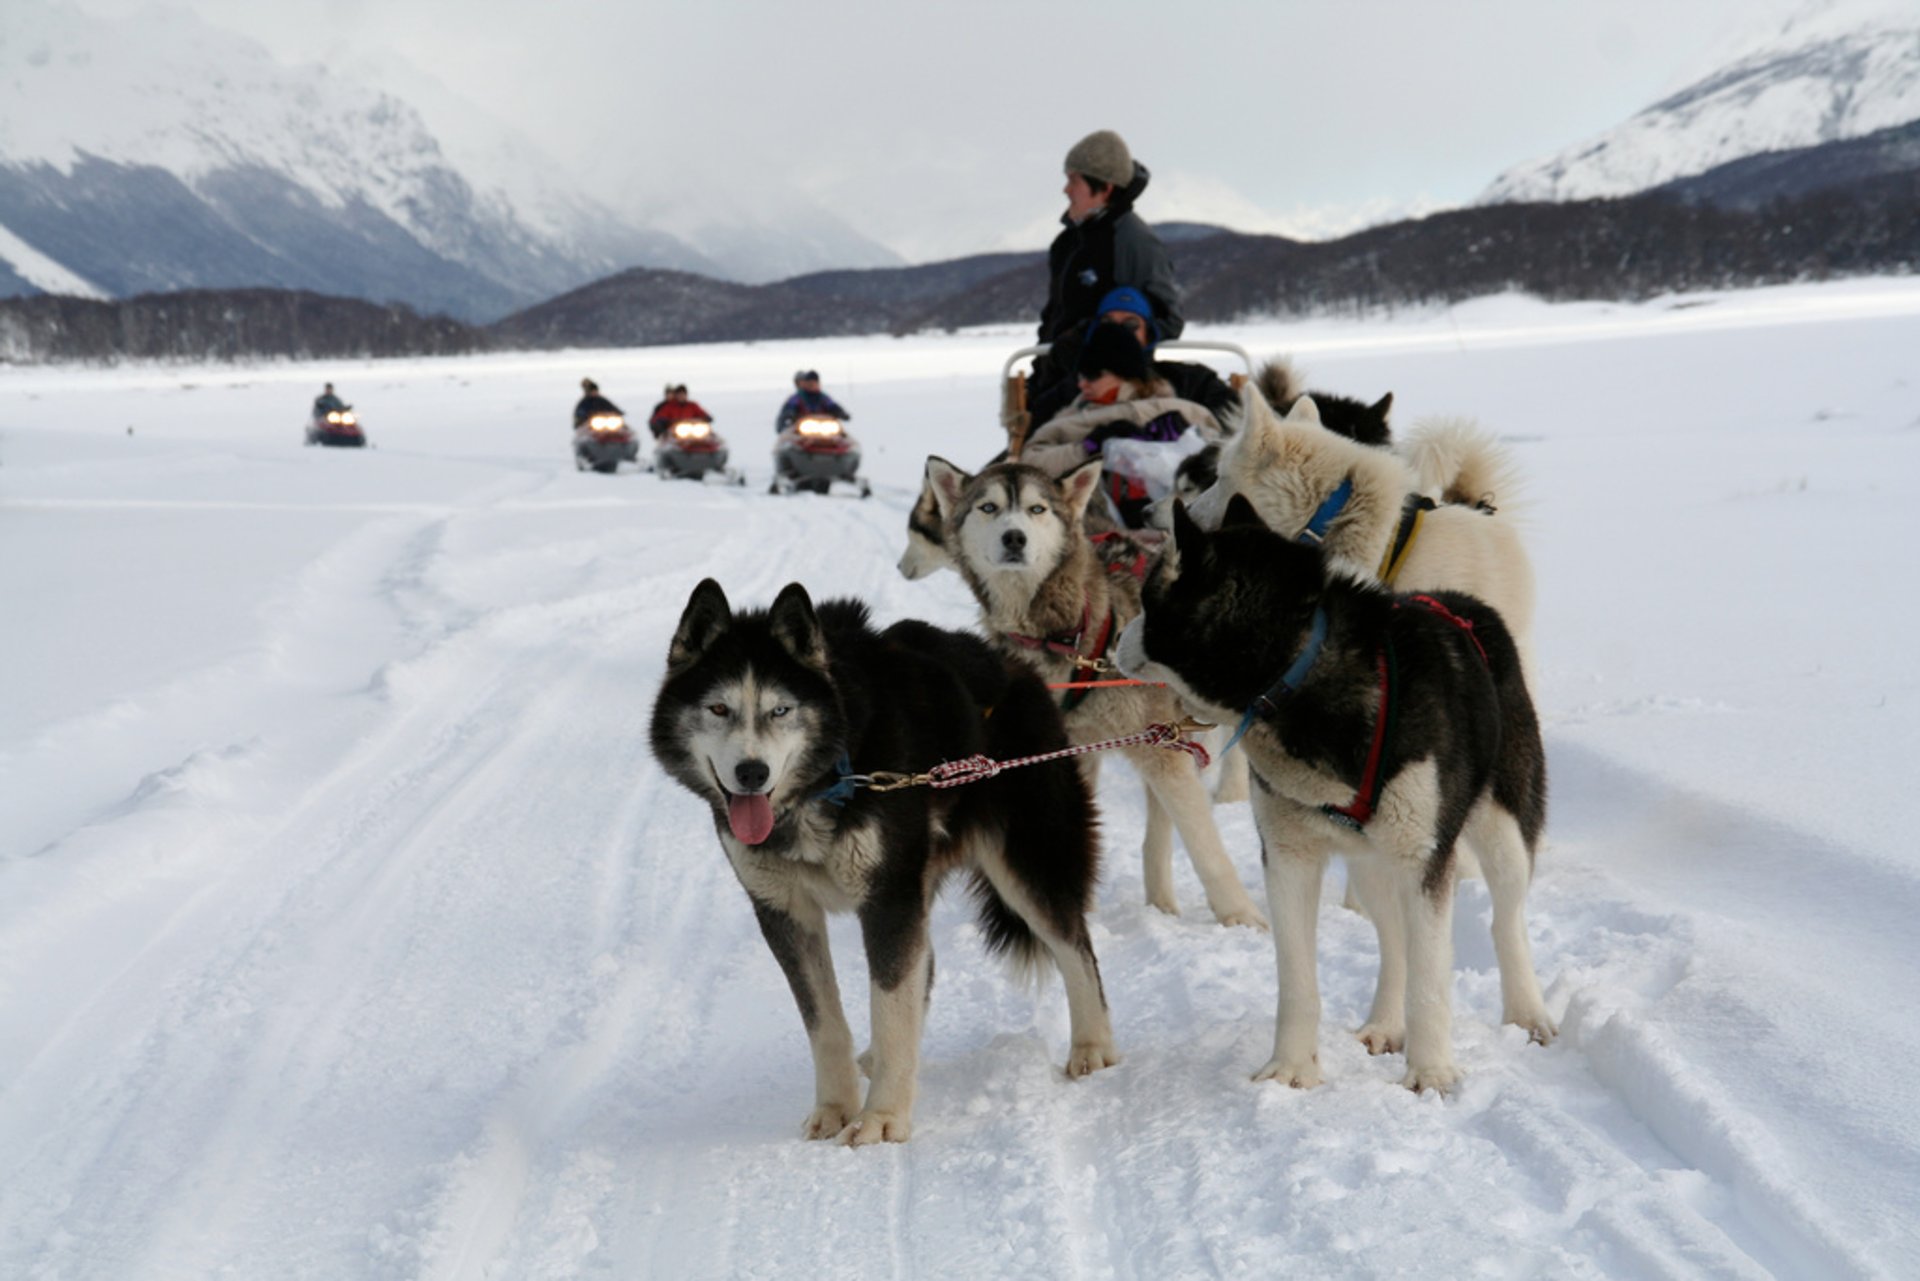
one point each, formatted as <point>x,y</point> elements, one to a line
<point>480,998</point>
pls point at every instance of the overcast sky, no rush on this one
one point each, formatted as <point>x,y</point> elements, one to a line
<point>939,129</point>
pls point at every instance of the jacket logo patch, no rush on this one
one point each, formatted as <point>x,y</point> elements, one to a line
<point>1089,276</point>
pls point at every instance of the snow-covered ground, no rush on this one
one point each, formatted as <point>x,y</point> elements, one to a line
<point>347,929</point>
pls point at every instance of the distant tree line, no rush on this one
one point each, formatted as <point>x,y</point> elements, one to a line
<point>1621,250</point>
<point>223,324</point>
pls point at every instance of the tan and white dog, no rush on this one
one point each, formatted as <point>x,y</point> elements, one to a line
<point>1017,537</point>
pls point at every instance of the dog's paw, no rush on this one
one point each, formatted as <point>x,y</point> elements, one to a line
<point>826,1121</point>
<point>1248,916</point>
<point>1439,1077</point>
<point>877,1127</point>
<point>1380,1038</point>
<point>1084,1060</point>
<point>1301,1075</point>
<point>1539,1025</point>
<point>1163,901</point>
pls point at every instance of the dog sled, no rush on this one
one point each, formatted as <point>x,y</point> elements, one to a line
<point>1143,464</point>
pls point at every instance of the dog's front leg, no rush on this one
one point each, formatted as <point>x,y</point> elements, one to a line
<point>1294,867</point>
<point>900,970</point>
<point>1373,879</point>
<point>1156,857</point>
<point>1175,781</point>
<point>1428,914</point>
<point>799,941</point>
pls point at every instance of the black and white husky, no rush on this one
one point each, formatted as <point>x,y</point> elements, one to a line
<point>1017,536</point>
<point>773,716</point>
<point>1385,728</point>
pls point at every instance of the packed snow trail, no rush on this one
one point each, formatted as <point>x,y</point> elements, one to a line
<point>348,930</point>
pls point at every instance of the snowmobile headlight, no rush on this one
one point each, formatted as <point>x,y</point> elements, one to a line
<point>819,426</point>
<point>692,429</point>
<point>348,419</point>
<point>606,422</point>
<point>333,415</point>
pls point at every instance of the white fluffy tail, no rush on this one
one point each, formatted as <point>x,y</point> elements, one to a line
<point>1455,460</point>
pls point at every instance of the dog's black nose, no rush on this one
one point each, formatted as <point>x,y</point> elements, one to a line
<point>1013,540</point>
<point>751,775</point>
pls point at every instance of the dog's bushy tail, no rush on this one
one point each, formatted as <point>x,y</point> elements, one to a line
<point>1457,461</point>
<point>1278,383</point>
<point>1007,935</point>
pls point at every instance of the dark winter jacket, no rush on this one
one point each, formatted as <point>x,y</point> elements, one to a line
<point>591,405</point>
<point>808,404</point>
<point>328,403</point>
<point>1113,247</point>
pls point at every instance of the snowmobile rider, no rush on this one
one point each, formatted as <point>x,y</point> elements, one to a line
<point>676,408</point>
<point>808,402</point>
<point>1128,308</point>
<point>591,402</point>
<point>327,403</point>
<point>1103,244</point>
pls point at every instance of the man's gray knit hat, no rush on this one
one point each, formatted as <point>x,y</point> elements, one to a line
<point>1102,155</point>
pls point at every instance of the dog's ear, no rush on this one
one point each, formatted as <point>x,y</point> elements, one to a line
<point>1304,411</point>
<point>1382,407</point>
<point>707,615</point>
<point>944,481</point>
<point>1241,513</point>
<point>797,628</point>
<point>1189,540</point>
<point>1079,485</point>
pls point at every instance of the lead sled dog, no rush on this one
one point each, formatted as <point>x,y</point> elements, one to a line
<point>774,717</point>
<point>1016,536</point>
<point>1383,727</point>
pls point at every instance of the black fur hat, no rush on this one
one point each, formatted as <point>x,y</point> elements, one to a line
<point>1112,349</point>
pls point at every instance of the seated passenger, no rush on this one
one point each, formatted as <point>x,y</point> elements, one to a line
<point>328,403</point>
<point>1123,411</point>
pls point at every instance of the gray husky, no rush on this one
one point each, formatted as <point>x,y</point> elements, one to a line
<point>776,719</point>
<point>1017,537</point>
<point>1387,728</point>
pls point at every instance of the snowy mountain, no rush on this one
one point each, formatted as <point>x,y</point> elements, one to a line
<point>1840,69</point>
<point>157,153</point>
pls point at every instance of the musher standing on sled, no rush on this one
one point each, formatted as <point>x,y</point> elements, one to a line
<point>1104,244</point>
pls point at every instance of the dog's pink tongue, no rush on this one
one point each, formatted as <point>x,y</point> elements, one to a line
<point>750,817</point>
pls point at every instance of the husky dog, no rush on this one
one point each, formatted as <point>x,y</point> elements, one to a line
<point>1386,727</point>
<point>1364,505</point>
<point>1017,537</point>
<point>774,717</point>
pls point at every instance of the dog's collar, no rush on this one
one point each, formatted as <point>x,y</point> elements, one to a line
<point>1324,515</point>
<point>1065,644</point>
<point>1290,681</point>
<point>846,783</point>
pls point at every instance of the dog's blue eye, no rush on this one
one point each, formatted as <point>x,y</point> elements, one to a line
<point>1038,509</point>
<point>778,712</point>
<point>718,709</point>
<point>989,508</point>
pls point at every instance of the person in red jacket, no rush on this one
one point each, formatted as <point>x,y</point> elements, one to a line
<point>676,408</point>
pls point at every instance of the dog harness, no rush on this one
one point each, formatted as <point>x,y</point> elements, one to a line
<point>1411,513</point>
<point>1137,567</point>
<point>1356,813</point>
<point>1067,646</point>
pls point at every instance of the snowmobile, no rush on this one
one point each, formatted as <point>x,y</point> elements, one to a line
<point>336,427</point>
<point>817,455</point>
<point>691,450</point>
<point>603,442</point>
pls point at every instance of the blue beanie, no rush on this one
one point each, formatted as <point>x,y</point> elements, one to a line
<point>1128,299</point>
